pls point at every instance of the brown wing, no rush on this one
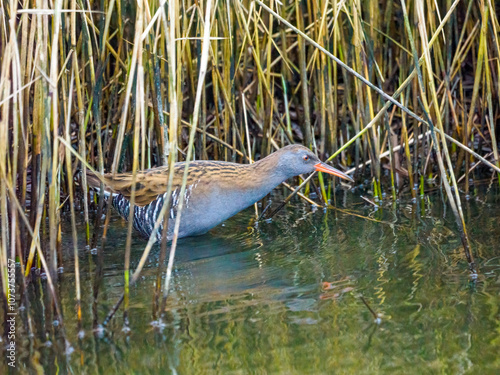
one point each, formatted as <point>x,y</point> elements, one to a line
<point>149,184</point>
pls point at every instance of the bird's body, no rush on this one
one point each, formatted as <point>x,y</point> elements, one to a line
<point>214,191</point>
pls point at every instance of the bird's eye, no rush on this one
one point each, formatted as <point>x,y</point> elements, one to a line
<point>305,157</point>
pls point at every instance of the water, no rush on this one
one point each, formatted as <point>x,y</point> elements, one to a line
<point>285,297</point>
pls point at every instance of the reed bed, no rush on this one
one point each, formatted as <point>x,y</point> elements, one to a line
<point>405,95</point>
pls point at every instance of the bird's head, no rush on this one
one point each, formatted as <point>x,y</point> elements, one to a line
<point>297,159</point>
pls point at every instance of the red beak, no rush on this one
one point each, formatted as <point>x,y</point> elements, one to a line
<point>322,167</point>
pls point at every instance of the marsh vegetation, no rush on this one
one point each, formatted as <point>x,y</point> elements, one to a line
<point>404,95</point>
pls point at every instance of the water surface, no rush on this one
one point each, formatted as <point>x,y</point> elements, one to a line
<point>285,297</point>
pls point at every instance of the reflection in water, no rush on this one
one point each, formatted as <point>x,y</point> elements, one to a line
<point>283,298</point>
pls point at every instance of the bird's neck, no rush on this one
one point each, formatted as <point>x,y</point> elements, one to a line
<point>263,176</point>
<point>251,183</point>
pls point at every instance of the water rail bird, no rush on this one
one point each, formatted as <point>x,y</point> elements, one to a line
<point>215,190</point>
